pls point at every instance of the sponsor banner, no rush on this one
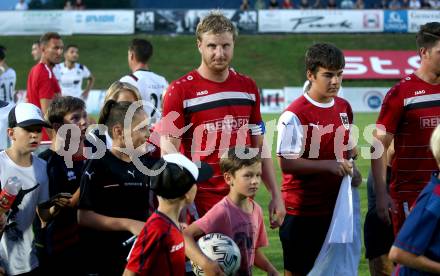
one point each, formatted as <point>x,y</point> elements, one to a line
<point>94,103</point>
<point>291,94</point>
<point>365,99</point>
<point>185,21</point>
<point>380,64</point>
<point>35,22</point>
<point>104,22</point>
<point>320,21</point>
<point>395,21</point>
<point>272,100</point>
<point>144,21</point>
<point>420,17</point>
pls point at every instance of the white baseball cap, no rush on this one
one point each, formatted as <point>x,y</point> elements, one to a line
<point>26,114</point>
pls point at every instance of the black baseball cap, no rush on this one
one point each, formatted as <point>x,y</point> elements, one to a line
<point>179,174</point>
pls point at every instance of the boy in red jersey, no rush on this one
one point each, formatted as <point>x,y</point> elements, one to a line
<point>312,133</point>
<point>159,249</point>
<point>409,114</point>
<point>217,103</point>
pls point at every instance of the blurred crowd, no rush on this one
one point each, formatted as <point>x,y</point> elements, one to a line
<point>283,4</point>
<point>340,4</point>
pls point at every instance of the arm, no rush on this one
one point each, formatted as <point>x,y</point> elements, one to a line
<point>50,209</point>
<point>277,211</point>
<point>2,224</point>
<point>97,221</point>
<point>193,252</point>
<point>75,199</point>
<point>89,85</point>
<point>263,263</point>
<point>169,144</point>
<point>411,260</point>
<point>378,167</point>
<point>45,103</point>
<point>128,272</point>
<point>303,166</point>
<point>47,214</point>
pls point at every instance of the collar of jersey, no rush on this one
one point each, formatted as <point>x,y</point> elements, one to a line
<point>318,104</point>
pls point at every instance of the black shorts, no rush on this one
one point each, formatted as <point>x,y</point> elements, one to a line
<point>302,238</point>
<point>378,236</point>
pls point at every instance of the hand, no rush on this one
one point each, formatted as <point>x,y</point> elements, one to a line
<point>213,268</point>
<point>272,272</point>
<point>61,200</point>
<point>135,226</point>
<point>340,168</point>
<point>384,205</point>
<point>277,212</point>
<point>85,95</point>
<point>3,221</point>
<point>183,225</point>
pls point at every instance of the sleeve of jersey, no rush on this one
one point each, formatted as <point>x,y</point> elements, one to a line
<point>173,118</point>
<point>146,250</point>
<point>88,182</point>
<point>290,135</point>
<point>47,87</point>
<point>129,79</point>
<point>391,111</point>
<point>420,226</point>
<point>213,221</point>
<point>85,72</point>
<point>55,175</point>
<point>44,187</point>
<point>256,124</point>
<point>262,239</point>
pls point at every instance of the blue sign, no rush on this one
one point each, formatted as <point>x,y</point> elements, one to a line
<point>395,21</point>
<point>374,102</point>
<point>373,99</point>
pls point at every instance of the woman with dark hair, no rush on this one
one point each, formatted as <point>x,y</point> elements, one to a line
<point>114,200</point>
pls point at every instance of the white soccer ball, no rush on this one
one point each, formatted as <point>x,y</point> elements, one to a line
<point>222,249</point>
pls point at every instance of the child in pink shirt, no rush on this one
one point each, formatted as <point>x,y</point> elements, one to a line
<point>236,216</point>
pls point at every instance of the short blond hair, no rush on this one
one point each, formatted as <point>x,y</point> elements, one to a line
<point>215,22</point>
<point>435,143</point>
<point>118,86</point>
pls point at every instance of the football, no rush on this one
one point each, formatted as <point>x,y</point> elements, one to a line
<point>222,249</point>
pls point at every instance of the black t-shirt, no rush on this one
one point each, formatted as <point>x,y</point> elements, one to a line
<point>114,188</point>
<point>62,231</point>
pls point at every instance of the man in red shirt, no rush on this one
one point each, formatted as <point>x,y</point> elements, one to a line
<point>42,86</point>
<point>409,114</point>
<point>222,109</point>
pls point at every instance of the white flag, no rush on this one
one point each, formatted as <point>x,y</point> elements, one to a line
<point>341,251</point>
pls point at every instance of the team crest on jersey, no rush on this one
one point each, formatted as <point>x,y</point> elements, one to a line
<point>344,120</point>
<point>71,175</point>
